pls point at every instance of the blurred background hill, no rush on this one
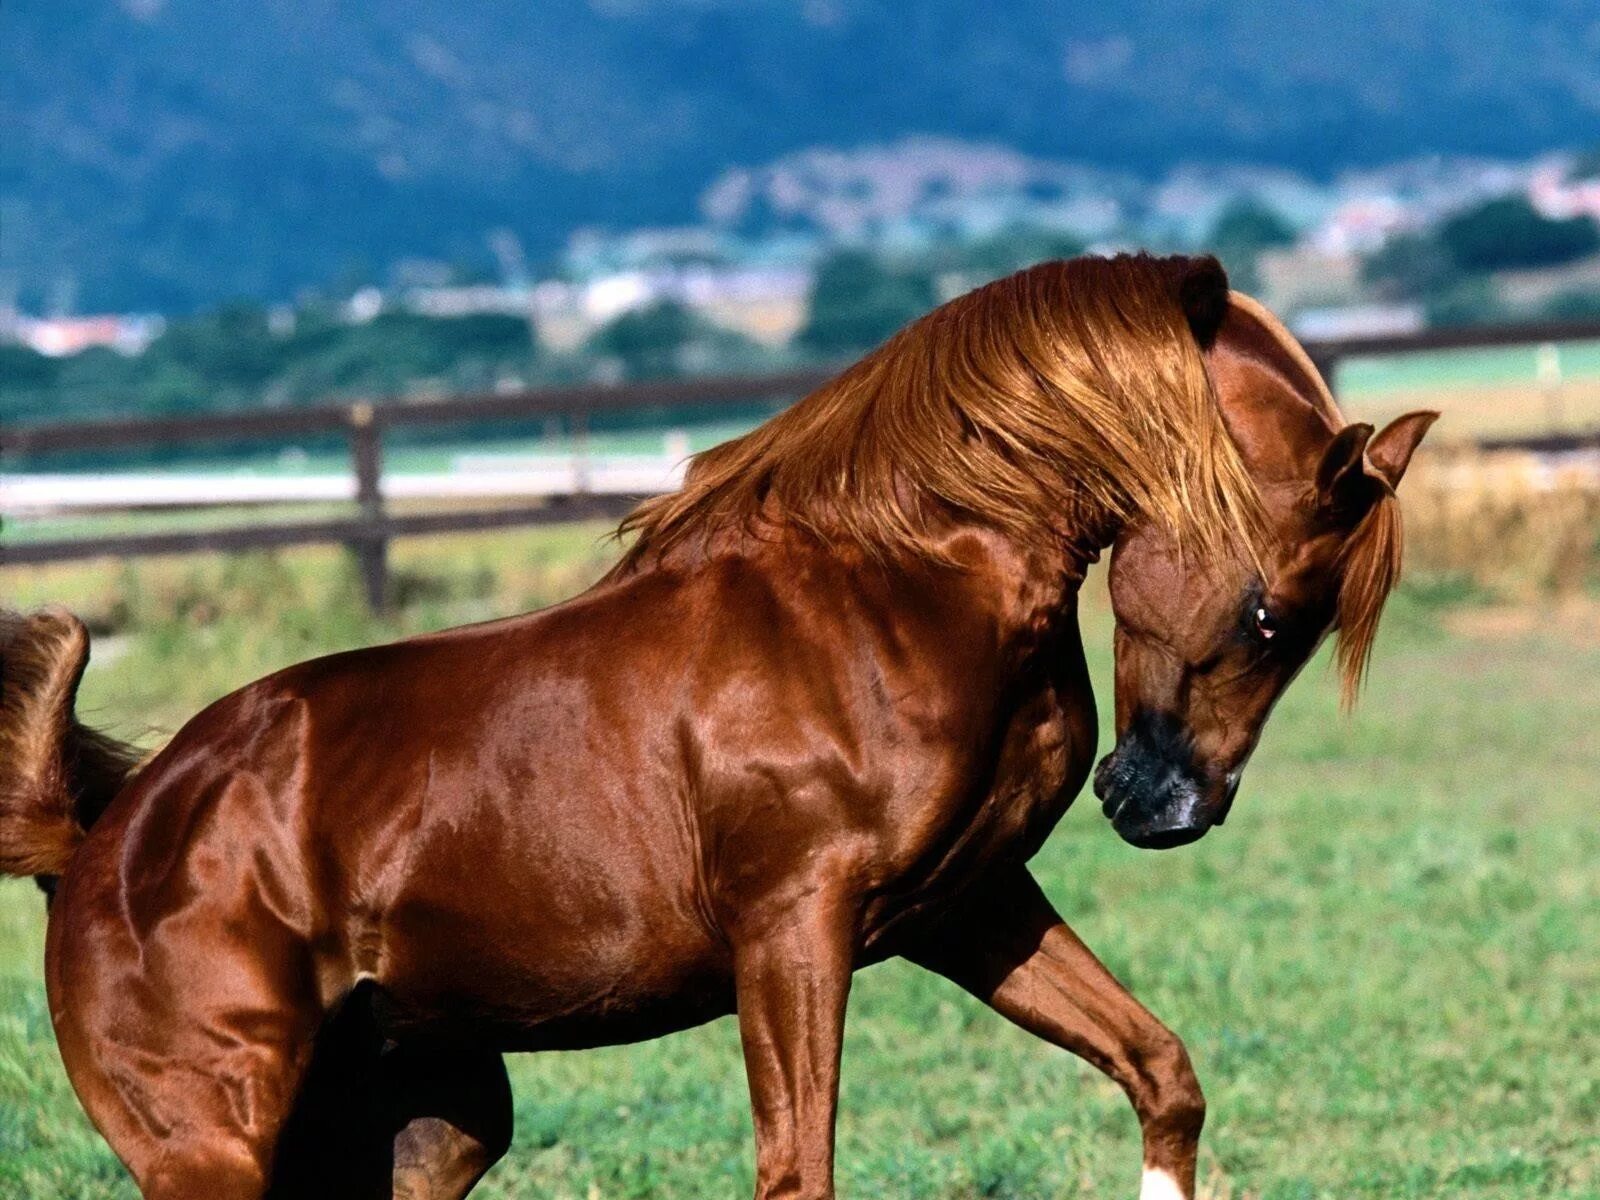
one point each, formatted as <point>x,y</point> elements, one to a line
<point>168,154</point>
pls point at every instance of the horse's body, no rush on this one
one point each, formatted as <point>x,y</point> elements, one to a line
<point>290,952</point>
<point>542,825</point>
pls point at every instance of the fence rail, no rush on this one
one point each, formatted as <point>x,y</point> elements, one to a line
<point>363,424</point>
<point>369,531</point>
<point>579,401</point>
<point>1327,353</point>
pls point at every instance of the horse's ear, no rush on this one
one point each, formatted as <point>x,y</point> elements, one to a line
<point>1347,483</point>
<point>1360,466</point>
<point>1390,450</point>
<point>1203,293</point>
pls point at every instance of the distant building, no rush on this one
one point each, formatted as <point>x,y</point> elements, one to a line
<point>1187,203</point>
<point>1556,194</point>
<point>1533,289</point>
<point>1434,186</point>
<point>62,337</point>
<point>365,305</point>
<point>765,303</point>
<point>282,320</point>
<point>1306,276</point>
<point>591,253</point>
<point>1358,320</point>
<point>467,301</point>
<point>898,188</point>
<point>1361,225</point>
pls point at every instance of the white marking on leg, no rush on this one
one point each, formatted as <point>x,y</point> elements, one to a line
<point>1158,1185</point>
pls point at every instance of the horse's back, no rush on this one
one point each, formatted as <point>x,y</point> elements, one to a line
<point>487,822</point>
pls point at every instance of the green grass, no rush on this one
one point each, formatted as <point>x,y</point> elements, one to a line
<point>1359,377</point>
<point>1384,966</point>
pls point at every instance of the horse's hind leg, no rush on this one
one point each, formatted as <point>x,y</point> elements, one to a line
<point>190,1084</point>
<point>337,1142</point>
<point>376,1120</point>
<point>454,1110</point>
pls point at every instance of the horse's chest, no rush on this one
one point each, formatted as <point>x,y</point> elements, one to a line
<point>1008,803</point>
<point>1045,756</point>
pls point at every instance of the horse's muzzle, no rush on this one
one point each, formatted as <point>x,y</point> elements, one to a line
<point>1154,793</point>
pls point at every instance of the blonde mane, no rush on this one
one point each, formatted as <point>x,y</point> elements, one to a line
<point>1047,405</point>
<point>1369,567</point>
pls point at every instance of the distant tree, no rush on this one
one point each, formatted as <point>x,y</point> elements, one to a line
<point>158,386</point>
<point>1573,306</point>
<point>1585,166</point>
<point>649,341</point>
<point>1471,301</point>
<point>22,368</point>
<point>1411,266</point>
<point>29,385</point>
<point>1250,223</point>
<point>395,350</point>
<point>1017,247</point>
<point>1509,233</point>
<point>857,302</point>
<point>494,336</point>
<point>717,349</point>
<point>230,359</point>
<point>232,348</point>
<point>1242,231</point>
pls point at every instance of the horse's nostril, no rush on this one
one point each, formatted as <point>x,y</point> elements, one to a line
<point>1106,786</point>
<point>1151,800</point>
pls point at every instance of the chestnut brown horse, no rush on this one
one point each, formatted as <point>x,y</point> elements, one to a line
<point>823,712</point>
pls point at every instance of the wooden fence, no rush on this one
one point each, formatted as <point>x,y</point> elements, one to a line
<point>363,425</point>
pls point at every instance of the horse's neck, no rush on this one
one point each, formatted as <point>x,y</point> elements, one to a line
<point>1022,601</point>
<point>985,580</point>
<point>1028,584</point>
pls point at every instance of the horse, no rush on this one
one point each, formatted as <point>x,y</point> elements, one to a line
<point>827,705</point>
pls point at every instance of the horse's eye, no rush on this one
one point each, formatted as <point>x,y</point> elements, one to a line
<point>1266,625</point>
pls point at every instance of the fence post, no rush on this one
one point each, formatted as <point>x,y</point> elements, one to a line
<point>371,548</point>
<point>582,480</point>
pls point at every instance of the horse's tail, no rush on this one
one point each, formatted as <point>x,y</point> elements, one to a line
<point>56,776</point>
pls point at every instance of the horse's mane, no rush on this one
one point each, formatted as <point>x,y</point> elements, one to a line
<point>1369,569</point>
<point>1045,405</point>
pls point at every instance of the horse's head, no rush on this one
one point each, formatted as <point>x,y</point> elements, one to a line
<point>1204,649</point>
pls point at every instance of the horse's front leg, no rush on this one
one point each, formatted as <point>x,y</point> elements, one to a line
<point>1007,946</point>
<point>792,966</point>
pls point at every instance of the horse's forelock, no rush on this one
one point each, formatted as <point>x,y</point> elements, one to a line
<point>1369,568</point>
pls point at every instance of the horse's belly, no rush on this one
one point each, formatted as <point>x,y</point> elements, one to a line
<point>586,970</point>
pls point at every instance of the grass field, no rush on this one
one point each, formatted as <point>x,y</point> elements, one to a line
<point>1446,369</point>
<point>1384,965</point>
